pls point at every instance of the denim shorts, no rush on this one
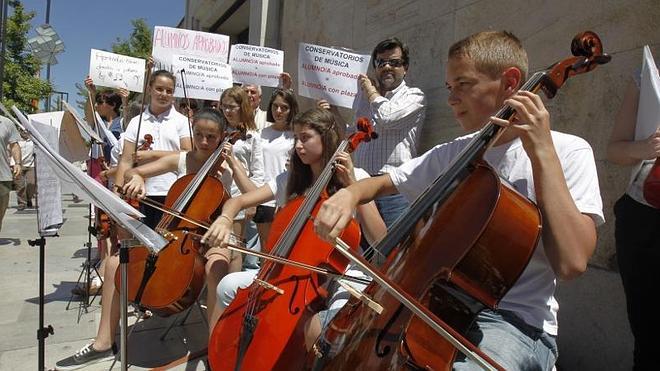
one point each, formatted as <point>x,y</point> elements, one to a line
<point>510,342</point>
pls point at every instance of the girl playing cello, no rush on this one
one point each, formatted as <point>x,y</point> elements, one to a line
<point>207,134</point>
<point>317,136</point>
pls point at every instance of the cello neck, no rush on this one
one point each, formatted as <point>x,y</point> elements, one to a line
<point>290,235</point>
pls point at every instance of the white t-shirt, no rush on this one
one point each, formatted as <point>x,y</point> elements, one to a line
<point>532,296</point>
<point>276,146</point>
<point>167,130</point>
<point>278,185</point>
<point>248,153</point>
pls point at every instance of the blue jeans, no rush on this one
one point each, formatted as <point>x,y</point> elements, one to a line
<point>510,342</point>
<point>391,207</point>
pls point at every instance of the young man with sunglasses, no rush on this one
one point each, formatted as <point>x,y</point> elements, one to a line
<point>397,112</point>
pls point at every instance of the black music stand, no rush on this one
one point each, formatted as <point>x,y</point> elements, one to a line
<point>42,332</point>
<point>88,266</point>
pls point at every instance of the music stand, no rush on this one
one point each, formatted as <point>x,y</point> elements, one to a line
<point>42,332</point>
<point>87,265</point>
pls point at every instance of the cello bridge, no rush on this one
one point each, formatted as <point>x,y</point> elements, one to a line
<point>268,286</point>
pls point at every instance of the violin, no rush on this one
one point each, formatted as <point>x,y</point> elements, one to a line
<point>262,328</point>
<point>148,142</point>
<point>171,280</point>
<point>102,225</point>
<point>651,186</point>
<point>454,252</point>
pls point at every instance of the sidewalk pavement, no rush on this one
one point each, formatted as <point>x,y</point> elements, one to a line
<point>75,327</point>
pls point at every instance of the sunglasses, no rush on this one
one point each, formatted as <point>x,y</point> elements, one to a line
<point>397,62</point>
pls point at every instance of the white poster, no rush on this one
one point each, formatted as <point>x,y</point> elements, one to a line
<point>205,78</point>
<point>116,70</point>
<point>256,65</point>
<point>330,74</point>
<point>168,42</point>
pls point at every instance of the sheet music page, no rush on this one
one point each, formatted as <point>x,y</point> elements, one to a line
<point>49,193</point>
<point>81,123</point>
<point>105,132</point>
<point>648,111</point>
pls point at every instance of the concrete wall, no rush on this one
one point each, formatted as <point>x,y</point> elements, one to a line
<point>586,106</point>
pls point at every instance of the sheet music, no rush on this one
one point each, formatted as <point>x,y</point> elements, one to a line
<point>105,132</point>
<point>648,109</point>
<point>102,197</point>
<point>82,124</point>
<point>49,193</point>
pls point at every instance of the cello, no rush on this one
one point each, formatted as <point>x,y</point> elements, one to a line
<point>461,246</point>
<point>263,327</point>
<point>171,280</point>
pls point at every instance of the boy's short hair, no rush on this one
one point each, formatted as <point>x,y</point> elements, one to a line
<point>492,52</point>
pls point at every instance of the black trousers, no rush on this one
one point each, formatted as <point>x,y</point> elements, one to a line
<point>637,234</point>
<point>152,216</point>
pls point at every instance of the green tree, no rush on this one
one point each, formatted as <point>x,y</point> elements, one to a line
<point>137,45</point>
<point>21,85</point>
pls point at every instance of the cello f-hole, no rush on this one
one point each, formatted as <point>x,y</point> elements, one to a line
<point>381,335</point>
<point>293,310</point>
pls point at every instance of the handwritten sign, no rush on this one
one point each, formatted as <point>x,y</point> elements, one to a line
<point>256,65</point>
<point>330,74</point>
<point>168,42</point>
<point>205,78</point>
<point>116,70</point>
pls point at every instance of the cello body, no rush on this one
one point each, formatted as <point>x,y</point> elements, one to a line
<point>483,253</point>
<point>276,321</point>
<point>178,274</point>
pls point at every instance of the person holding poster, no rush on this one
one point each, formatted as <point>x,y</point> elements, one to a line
<point>170,133</point>
<point>636,230</point>
<point>397,112</point>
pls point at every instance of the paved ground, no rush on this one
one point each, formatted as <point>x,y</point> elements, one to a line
<point>19,302</point>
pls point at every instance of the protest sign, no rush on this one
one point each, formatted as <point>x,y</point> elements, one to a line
<point>116,70</point>
<point>256,65</point>
<point>168,42</point>
<point>330,74</point>
<point>205,78</point>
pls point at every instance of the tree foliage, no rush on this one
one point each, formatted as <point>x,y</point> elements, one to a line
<point>21,84</point>
<point>138,45</point>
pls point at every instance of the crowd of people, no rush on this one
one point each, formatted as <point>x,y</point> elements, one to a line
<point>281,154</point>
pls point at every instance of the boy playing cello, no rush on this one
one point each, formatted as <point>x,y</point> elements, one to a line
<point>556,170</point>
